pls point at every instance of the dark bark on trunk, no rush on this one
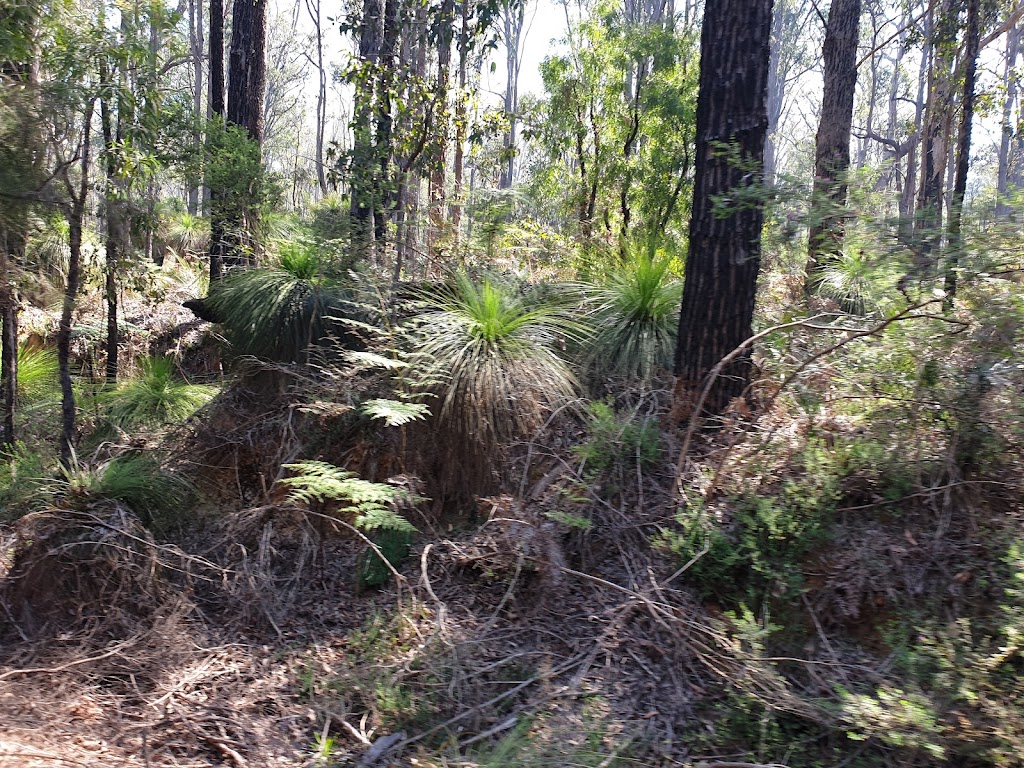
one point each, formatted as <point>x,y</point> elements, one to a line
<point>217,112</point>
<point>935,137</point>
<point>956,208</point>
<point>435,185</point>
<point>363,166</point>
<point>461,121</point>
<point>195,22</point>
<point>385,123</point>
<point>832,143</point>
<point>247,86</point>
<point>725,251</point>
<point>76,223</point>
<point>8,344</point>
<point>247,74</point>
<point>112,213</point>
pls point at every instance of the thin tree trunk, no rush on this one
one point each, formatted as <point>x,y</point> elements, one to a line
<point>1005,140</point>
<point>363,168</point>
<point>8,344</point>
<point>956,208</point>
<point>111,212</point>
<point>382,187</point>
<point>832,144</point>
<point>461,121</point>
<point>195,23</point>
<point>76,223</point>
<point>935,135</point>
<point>313,7</point>
<point>725,251</point>
<point>436,184</point>
<point>216,101</point>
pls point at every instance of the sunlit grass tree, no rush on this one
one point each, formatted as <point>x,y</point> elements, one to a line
<point>635,319</point>
<point>280,311</point>
<point>491,359</point>
<point>155,397</point>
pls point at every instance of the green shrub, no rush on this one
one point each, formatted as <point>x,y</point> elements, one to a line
<point>373,505</point>
<point>38,374</point>
<point>156,396</point>
<point>159,497</point>
<point>22,474</point>
<point>278,313</point>
<point>618,440</point>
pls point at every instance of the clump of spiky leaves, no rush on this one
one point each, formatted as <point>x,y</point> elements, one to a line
<point>188,233</point>
<point>491,359</point>
<point>157,496</point>
<point>635,318</point>
<point>22,473</point>
<point>38,371</point>
<point>373,505</point>
<point>156,396</point>
<point>279,312</point>
<point>857,280</point>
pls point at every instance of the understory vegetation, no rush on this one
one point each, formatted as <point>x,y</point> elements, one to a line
<point>349,419</point>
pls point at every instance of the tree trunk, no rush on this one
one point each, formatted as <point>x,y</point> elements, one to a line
<point>76,222</point>
<point>832,143</point>
<point>363,168</point>
<point>8,344</point>
<point>216,101</point>
<point>725,251</point>
<point>383,186</point>
<point>956,208</point>
<point>247,85</point>
<point>195,24</point>
<point>514,19</point>
<point>935,135</point>
<point>461,121</point>
<point>435,186</point>
<point>313,7</point>
<point>112,213</point>
<point>1010,87</point>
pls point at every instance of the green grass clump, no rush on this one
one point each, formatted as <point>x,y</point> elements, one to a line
<point>38,372</point>
<point>156,396</point>
<point>491,359</point>
<point>278,313</point>
<point>635,319</point>
<point>157,496</point>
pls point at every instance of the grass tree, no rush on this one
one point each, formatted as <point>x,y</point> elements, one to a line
<point>634,319</point>
<point>279,312</point>
<point>491,359</point>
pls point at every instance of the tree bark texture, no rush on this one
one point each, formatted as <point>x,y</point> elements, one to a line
<point>935,134</point>
<point>832,143</point>
<point>216,112</point>
<point>725,247</point>
<point>362,167</point>
<point>963,151</point>
<point>76,223</point>
<point>247,75</point>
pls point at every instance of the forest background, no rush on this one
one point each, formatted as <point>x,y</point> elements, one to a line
<point>485,382</point>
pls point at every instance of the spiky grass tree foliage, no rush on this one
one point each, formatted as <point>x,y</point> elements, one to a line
<point>37,374</point>
<point>491,359</point>
<point>635,318</point>
<point>156,396</point>
<point>188,233</point>
<point>139,482</point>
<point>858,281</point>
<point>278,313</point>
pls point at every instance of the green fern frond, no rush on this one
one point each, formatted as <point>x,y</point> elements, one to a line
<point>395,413</point>
<point>318,481</point>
